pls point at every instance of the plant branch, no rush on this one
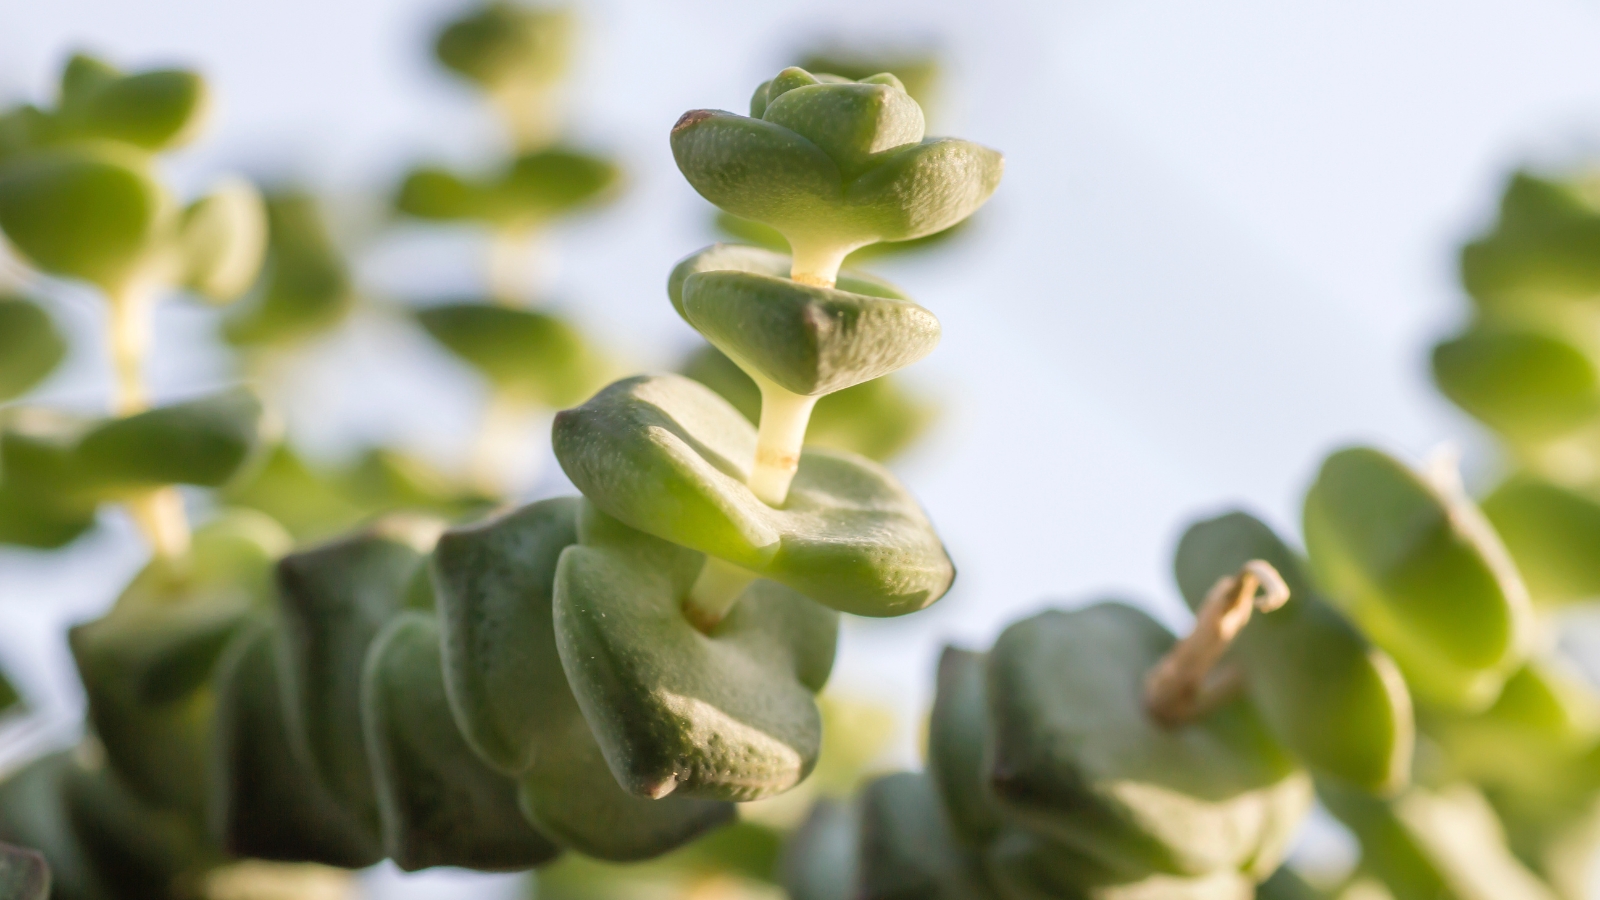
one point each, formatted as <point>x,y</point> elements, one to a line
<point>784,417</point>
<point>1186,683</point>
<point>716,589</point>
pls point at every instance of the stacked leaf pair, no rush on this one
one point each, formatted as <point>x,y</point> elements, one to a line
<point>517,56</point>
<point>1526,367</point>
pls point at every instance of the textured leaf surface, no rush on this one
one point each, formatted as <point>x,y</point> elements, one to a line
<point>1421,572</point>
<point>440,804</point>
<point>1332,698</point>
<point>727,714</point>
<point>1076,758</point>
<point>668,457</point>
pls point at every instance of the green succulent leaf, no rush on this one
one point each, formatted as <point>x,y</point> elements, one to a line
<point>222,240</point>
<point>820,860</point>
<point>957,732</point>
<point>724,715</point>
<point>1026,866</point>
<point>203,442</point>
<point>539,185</point>
<point>1287,884</point>
<point>808,340</point>
<point>30,346</point>
<point>33,813</point>
<point>153,110</point>
<point>1076,758</point>
<point>440,805</point>
<point>10,698</point>
<point>834,164</point>
<point>93,211</point>
<point>40,504</point>
<point>907,851</point>
<point>1333,699</point>
<point>668,457</point>
<point>128,841</point>
<point>146,666</point>
<point>305,286</point>
<point>502,44</point>
<point>1543,247</point>
<point>24,875</point>
<point>527,354</point>
<point>334,600</point>
<point>749,231</point>
<point>1426,844</point>
<point>263,805</point>
<point>917,72</point>
<point>1553,534</point>
<point>1530,387</point>
<point>1422,573</point>
<point>495,582</point>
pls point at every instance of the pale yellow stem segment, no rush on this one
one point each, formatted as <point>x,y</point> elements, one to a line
<point>159,514</point>
<point>1185,684</point>
<point>499,441</point>
<point>529,114</point>
<point>510,271</point>
<point>716,589</point>
<point>817,264</point>
<point>253,879</point>
<point>784,417</point>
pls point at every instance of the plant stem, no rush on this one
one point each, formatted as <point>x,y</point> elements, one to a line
<point>716,589</point>
<point>509,281</point>
<point>159,513</point>
<point>529,114</point>
<point>1182,686</point>
<point>784,416</point>
<point>817,264</point>
<point>499,439</point>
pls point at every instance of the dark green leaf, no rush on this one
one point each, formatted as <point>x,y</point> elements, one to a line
<point>33,814</point>
<point>203,442</point>
<point>907,851</point>
<point>24,875</point>
<point>819,861</point>
<point>531,355</point>
<point>30,346</point>
<point>957,732</point>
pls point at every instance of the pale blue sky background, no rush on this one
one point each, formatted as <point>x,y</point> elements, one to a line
<point>1223,246</point>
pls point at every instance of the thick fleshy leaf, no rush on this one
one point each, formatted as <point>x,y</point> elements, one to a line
<point>146,665</point>
<point>820,858</point>
<point>725,715</point>
<point>24,875</point>
<point>503,44</point>
<point>1543,247</point>
<point>127,841</point>
<point>761,261</point>
<point>762,171</point>
<point>537,187</point>
<point>925,188</point>
<point>30,346</point>
<point>667,456</point>
<point>335,599</point>
<point>1332,698</point>
<point>917,71</point>
<point>851,122</point>
<point>877,419</point>
<point>92,211</point>
<point>1528,386</point>
<point>532,355</point>
<point>907,851</point>
<point>1427,844</point>
<point>1423,574</point>
<point>808,340</point>
<point>203,442</point>
<point>957,732</point>
<point>222,240</point>
<point>440,804</point>
<point>33,814</point>
<point>749,231</point>
<point>305,286</point>
<point>1076,758</point>
<point>1025,866</point>
<point>154,110</point>
<point>1286,884</point>
<point>1553,534</point>
<point>40,503</point>
<point>494,581</point>
<point>1546,718</point>
<point>264,805</point>
<point>10,698</point>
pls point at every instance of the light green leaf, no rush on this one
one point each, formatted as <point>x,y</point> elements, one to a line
<point>93,211</point>
<point>1553,534</point>
<point>1332,698</point>
<point>1076,757</point>
<point>305,286</point>
<point>1025,866</point>
<point>154,110</point>
<point>538,186</point>
<point>264,804</point>
<point>501,44</point>
<point>40,502</point>
<point>204,442</point>
<point>851,122</point>
<point>439,804</point>
<point>668,457</point>
<point>334,600</point>
<point>724,715</point>
<point>222,240</point>
<point>1422,573</point>
<point>957,732</point>
<point>30,346</point>
<point>1528,386</point>
<point>528,354</point>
